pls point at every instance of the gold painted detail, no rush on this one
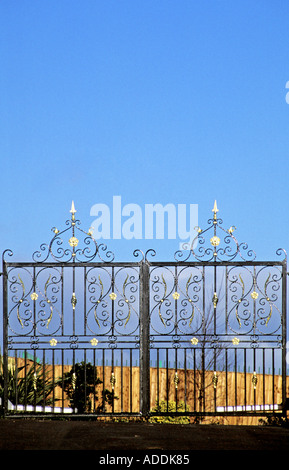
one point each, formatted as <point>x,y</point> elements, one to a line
<point>194,341</point>
<point>113,295</point>
<point>126,300</point>
<point>53,342</point>
<point>215,299</point>
<point>254,295</point>
<point>235,341</point>
<point>73,300</point>
<point>165,293</point>
<point>190,300</point>
<point>268,299</point>
<point>176,295</point>
<point>215,379</point>
<point>48,301</point>
<point>176,380</point>
<point>240,300</point>
<point>95,308</point>
<point>94,342</point>
<point>215,241</point>
<point>112,380</point>
<point>72,211</point>
<point>73,241</point>
<point>254,380</point>
<point>34,296</point>
<point>73,380</point>
<point>215,210</point>
<point>20,301</point>
<point>35,381</point>
<point>231,230</point>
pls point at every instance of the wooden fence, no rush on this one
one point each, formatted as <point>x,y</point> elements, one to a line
<point>193,392</point>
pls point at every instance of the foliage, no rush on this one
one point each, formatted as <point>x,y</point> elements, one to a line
<point>275,421</point>
<point>31,388</point>
<point>170,407</point>
<point>80,385</point>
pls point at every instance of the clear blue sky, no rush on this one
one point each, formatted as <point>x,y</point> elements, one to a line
<point>158,101</point>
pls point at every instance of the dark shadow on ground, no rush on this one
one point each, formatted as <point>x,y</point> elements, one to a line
<point>21,434</point>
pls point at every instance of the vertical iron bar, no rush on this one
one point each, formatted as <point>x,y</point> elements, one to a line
<point>284,333</point>
<point>144,339</point>
<point>176,301</point>
<point>204,379</point>
<point>5,338</point>
<point>226,300</point>
<point>35,376</point>
<point>273,376</point>
<point>176,376</point>
<point>85,380</point>
<point>226,377</point>
<point>264,388</point>
<point>62,301</point>
<point>112,377</point>
<point>16,379</point>
<point>195,385</point>
<point>185,373</point>
<point>34,304</point>
<point>215,388</point>
<point>245,378</point>
<point>84,300</point>
<point>121,379</point>
<point>112,301</point>
<point>62,377</point>
<point>167,378</point>
<point>25,379</point>
<point>94,380</point>
<point>215,297</point>
<point>130,379</point>
<point>236,400</point>
<point>158,376</point>
<point>254,370</point>
<point>53,378</point>
<point>73,290</point>
<point>103,380</point>
<point>44,373</point>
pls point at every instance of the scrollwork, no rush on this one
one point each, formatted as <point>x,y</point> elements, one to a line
<point>65,246</point>
<point>223,244</point>
<point>112,300</point>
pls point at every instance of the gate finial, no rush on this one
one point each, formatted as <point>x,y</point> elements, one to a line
<point>72,210</point>
<point>215,210</point>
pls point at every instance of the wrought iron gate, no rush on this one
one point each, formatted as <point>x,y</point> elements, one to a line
<point>86,335</point>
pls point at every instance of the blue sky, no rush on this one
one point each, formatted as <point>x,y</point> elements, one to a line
<point>157,101</point>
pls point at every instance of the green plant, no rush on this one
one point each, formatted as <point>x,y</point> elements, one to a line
<point>31,388</point>
<point>171,408</point>
<point>80,384</point>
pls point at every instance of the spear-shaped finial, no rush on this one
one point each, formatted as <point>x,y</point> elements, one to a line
<point>215,210</point>
<point>72,210</point>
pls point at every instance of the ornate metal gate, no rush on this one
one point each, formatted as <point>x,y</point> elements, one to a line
<point>202,335</point>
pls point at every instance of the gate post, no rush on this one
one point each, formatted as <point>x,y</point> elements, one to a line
<point>144,340</point>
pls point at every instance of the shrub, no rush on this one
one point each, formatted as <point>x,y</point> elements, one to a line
<point>80,385</point>
<point>172,408</point>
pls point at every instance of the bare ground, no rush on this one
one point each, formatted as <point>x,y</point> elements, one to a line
<point>21,434</point>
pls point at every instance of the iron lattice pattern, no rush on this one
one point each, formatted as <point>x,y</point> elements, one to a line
<point>202,335</point>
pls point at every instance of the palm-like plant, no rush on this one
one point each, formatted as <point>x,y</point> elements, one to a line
<point>28,385</point>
